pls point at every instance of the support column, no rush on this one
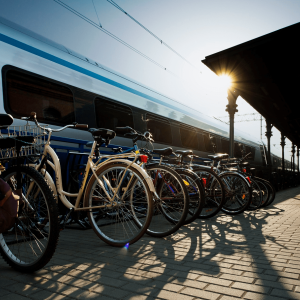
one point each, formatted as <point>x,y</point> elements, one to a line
<point>268,135</point>
<point>231,108</point>
<point>282,146</point>
<point>297,159</point>
<point>293,157</point>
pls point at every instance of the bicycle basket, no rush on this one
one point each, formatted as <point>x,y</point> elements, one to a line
<point>14,132</point>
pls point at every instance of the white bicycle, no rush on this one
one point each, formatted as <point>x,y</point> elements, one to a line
<point>118,196</point>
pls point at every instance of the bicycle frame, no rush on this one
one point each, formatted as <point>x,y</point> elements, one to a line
<point>90,166</point>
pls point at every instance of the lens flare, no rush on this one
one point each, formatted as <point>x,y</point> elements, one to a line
<point>224,81</point>
<point>126,246</point>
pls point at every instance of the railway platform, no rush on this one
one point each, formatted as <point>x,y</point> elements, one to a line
<point>255,255</point>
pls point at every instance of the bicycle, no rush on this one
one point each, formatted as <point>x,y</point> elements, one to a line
<point>171,208</point>
<point>31,242</point>
<point>119,207</point>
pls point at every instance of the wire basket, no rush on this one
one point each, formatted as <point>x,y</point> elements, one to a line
<point>33,149</point>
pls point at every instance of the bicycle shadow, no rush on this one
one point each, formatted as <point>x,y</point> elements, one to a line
<point>152,266</point>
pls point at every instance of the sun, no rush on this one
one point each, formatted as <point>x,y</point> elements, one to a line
<point>224,81</point>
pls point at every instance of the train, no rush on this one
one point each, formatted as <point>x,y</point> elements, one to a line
<point>63,87</point>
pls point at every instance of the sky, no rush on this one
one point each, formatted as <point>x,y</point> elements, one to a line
<point>193,28</point>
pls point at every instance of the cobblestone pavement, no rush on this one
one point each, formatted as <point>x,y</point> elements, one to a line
<point>255,255</point>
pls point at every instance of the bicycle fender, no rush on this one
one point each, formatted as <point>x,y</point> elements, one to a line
<point>48,178</point>
<point>146,177</point>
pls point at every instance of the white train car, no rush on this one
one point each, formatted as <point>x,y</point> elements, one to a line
<point>64,87</point>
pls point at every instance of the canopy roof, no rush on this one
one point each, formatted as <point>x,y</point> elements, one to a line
<point>265,72</point>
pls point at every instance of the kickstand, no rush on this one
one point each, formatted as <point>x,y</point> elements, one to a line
<point>63,225</point>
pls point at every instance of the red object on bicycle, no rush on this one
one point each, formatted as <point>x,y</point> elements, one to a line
<point>204,182</point>
<point>248,178</point>
<point>244,170</point>
<point>144,158</point>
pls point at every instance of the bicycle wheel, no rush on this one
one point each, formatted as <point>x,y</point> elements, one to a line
<point>30,244</point>
<point>238,193</point>
<point>125,219</point>
<point>214,192</point>
<point>196,194</point>
<point>171,209</point>
<point>257,196</point>
<point>271,191</point>
<point>264,191</point>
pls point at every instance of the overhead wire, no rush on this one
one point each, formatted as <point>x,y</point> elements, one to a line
<point>96,13</point>
<point>111,35</point>
<point>150,32</point>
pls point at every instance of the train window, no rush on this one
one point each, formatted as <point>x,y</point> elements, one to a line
<point>111,115</point>
<point>252,150</point>
<point>238,147</point>
<point>188,137</point>
<point>207,142</point>
<point>201,142</point>
<point>160,129</point>
<point>225,146</point>
<point>52,102</point>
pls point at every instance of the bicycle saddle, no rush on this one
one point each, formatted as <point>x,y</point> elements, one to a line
<point>219,156</point>
<point>106,134</point>
<point>164,151</point>
<point>245,163</point>
<point>5,120</point>
<point>184,153</point>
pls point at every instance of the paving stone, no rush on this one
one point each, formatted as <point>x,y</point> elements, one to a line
<point>200,294</point>
<point>285,294</point>
<point>224,290</point>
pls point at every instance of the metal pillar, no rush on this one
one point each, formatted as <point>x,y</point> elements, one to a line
<point>231,108</point>
<point>268,135</point>
<point>282,146</point>
<point>297,159</point>
<point>293,157</point>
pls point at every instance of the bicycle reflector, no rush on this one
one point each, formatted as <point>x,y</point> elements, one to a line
<point>143,158</point>
<point>204,182</point>
<point>244,170</point>
<point>248,178</point>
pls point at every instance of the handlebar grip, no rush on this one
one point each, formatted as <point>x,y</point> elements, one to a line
<point>33,115</point>
<point>82,126</point>
<point>123,130</point>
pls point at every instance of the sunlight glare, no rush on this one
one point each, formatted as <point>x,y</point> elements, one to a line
<point>224,81</point>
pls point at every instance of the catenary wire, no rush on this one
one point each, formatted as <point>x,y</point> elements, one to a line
<point>96,13</point>
<point>111,35</point>
<point>150,32</point>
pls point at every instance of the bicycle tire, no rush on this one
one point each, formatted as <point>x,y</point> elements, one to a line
<point>171,209</point>
<point>257,196</point>
<point>214,192</point>
<point>264,190</point>
<point>196,194</point>
<point>126,221</point>
<point>272,191</point>
<point>31,243</point>
<point>238,193</point>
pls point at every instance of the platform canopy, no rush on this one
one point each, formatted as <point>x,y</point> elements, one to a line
<point>266,73</point>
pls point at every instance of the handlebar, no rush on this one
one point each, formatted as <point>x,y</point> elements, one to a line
<point>130,132</point>
<point>33,118</point>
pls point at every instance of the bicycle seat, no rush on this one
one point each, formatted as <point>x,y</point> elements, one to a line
<point>164,151</point>
<point>219,156</point>
<point>117,150</point>
<point>184,153</point>
<point>106,134</point>
<point>5,120</point>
